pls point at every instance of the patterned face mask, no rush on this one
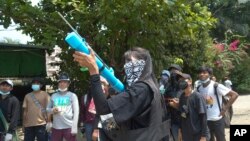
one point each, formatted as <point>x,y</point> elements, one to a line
<point>133,70</point>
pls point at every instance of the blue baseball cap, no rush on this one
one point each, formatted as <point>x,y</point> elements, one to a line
<point>165,72</point>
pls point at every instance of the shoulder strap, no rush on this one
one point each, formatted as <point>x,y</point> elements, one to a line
<point>216,94</point>
<point>4,121</point>
<point>85,99</point>
<point>37,103</point>
<point>198,88</point>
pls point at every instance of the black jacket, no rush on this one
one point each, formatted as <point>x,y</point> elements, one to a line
<point>11,109</point>
<point>138,112</point>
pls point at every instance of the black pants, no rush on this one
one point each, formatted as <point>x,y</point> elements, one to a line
<point>217,130</point>
<point>35,131</point>
<point>1,137</point>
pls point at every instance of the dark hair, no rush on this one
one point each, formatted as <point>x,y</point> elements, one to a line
<point>204,68</point>
<point>37,79</point>
<point>147,75</point>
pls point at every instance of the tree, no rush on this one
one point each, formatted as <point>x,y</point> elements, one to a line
<point>229,53</point>
<point>168,30</point>
<point>232,15</point>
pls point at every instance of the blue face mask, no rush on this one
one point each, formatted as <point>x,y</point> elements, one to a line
<point>4,93</point>
<point>35,87</point>
<point>162,89</point>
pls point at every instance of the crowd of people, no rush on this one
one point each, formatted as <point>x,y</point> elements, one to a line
<point>171,110</point>
<point>197,112</point>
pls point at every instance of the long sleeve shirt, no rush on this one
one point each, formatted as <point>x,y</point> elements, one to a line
<point>11,110</point>
<point>68,106</point>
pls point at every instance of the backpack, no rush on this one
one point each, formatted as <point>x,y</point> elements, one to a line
<point>229,113</point>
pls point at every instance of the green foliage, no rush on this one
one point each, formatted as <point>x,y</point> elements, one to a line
<point>232,15</point>
<point>227,54</point>
<point>240,77</point>
<point>169,30</point>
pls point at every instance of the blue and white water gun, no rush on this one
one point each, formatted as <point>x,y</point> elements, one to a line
<point>79,44</point>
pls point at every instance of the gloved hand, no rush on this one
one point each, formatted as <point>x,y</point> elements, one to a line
<point>48,126</point>
<point>8,137</point>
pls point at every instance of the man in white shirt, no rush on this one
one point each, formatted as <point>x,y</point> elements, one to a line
<point>228,83</point>
<point>214,113</point>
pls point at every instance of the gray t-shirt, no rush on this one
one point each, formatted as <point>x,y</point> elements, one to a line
<point>69,110</point>
<point>193,116</point>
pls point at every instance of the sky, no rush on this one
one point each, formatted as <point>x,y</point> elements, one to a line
<point>13,34</point>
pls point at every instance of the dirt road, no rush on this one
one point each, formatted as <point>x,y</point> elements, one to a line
<point>241,112</point>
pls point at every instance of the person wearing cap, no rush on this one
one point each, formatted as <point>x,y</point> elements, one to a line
<point>173,92</point>
<point>174,67</point>
<point>164,80</point>
<point>10,111</point>
<point>35,116</point>
<point>192,107</point>
<point>64,107</point>
<point>137,113</point>
<point>215,110</point>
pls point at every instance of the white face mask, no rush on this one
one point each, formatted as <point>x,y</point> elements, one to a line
<point>162,89</point>
<point>62,90</point>
<point>4,93</point>
<point>205,81</point>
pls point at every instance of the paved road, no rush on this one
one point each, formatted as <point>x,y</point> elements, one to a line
<point>241,112</point>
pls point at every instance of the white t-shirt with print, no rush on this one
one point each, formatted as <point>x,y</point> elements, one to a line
<point>69,110</point>
<point>207,92</point>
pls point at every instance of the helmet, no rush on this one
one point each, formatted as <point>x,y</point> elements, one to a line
<point>63,76</point>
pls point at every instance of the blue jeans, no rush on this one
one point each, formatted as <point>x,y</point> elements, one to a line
<point>217,130</point>
<point>35,131</point>
<point>89,128</point>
